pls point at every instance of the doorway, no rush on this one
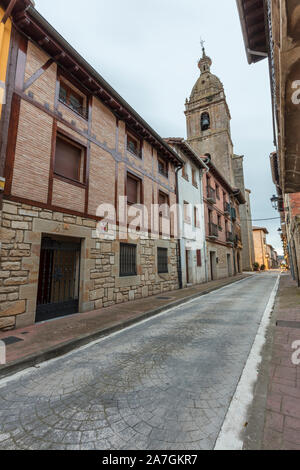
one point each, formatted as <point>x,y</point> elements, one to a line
<point>229,265</point>
<point>213,265</point>
<point>187,263</point>
<point>59,277</point>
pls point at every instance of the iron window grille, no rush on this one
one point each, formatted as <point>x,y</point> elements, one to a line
<point>127,260</point>
<point>162,260</point>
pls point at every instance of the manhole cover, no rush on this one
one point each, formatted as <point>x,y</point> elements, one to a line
<point>11,340</point>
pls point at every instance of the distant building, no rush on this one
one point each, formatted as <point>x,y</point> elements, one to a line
<point>260,246</point>
<point>245,213</point>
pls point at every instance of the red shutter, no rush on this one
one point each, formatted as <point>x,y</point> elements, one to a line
<point>132,190</point>
<point>67,159</point>
<point>199,259</point>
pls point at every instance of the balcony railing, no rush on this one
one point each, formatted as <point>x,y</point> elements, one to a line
<point>213,230</point>
<point>227,208</point>
<point>229,237</point>
<point>211,194</point>
<point>78,109</point>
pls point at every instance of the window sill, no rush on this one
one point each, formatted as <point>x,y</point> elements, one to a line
<point>70,181</point>
<point>140,157</point>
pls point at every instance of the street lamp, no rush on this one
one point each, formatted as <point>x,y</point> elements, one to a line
<point>274,201</point>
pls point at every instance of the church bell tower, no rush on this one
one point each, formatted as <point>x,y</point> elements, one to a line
<point>208,119</point>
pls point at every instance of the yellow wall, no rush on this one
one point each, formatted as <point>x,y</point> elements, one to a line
<point>5,33</point>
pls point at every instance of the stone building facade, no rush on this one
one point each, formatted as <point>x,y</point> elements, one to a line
<point>245,213</point>
<point>260,246</point>
<point>73,143</point>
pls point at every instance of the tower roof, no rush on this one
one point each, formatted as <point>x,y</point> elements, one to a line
<point>208,83</point>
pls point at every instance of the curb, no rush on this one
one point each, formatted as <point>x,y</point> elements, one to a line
<point>64,348</point>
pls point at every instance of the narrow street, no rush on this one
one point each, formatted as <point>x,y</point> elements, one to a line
<point>165,383</point>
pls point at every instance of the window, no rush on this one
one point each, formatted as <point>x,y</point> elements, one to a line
<point>205,122</point>
<point>194,179</point>
<point>68,159</point>
<point>72,99</point>
<point>163,167</point>
<point>196,217</point>
<point>133,190</point>
<point>220,223</point>
<point>134,145</point>
<point>184,172</point>
<point>163,200</point>
<point>199,258</point>
<point>162,260</point>
<point>186,212</point>
<point>127,260</point>
<point>218,191</point>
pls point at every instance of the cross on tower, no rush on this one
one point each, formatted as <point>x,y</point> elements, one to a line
<point>202,42</point>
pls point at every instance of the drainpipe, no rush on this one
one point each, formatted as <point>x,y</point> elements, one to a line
<point>179,264</point>
<point>202,173</point>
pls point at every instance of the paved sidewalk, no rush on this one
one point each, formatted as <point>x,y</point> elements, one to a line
<point>275,419</point>
<point>44,341</point>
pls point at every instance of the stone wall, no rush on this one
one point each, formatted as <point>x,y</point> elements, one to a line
<point>100,285</point>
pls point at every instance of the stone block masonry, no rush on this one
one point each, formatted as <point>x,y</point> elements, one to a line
<point>22,228</point>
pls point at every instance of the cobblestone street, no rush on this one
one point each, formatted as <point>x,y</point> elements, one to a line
<point>163,384</point>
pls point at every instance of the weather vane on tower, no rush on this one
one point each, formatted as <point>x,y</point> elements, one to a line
<point>202,42</point>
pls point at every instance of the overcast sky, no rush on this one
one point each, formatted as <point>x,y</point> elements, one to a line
<point>148,51</point>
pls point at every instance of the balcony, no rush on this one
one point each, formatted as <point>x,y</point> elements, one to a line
<point>227,208</point>
<point>211,195</point>
<point>213,231</point>
<point>233,213</point>
<point>229,237</point>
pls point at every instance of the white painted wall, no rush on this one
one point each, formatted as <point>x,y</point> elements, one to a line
<point>193,237</point>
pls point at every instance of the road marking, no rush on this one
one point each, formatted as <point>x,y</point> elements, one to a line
<point>17,375</point>
<point>230,437</point>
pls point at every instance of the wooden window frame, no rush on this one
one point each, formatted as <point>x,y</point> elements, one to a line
<point>196,217</point>
<point>194,180</point>
<point>162,161</point>
<point>199,258</point>
<point>139,190</point>
<point>184,173</point>
<point>139,141</point>
<point>83,99</point>
<point>83,164</point>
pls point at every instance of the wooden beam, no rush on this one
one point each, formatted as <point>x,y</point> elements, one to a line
<point>8,11</point>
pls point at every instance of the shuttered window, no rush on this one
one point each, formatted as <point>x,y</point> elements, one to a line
<point>162,260</point>
<point>127,260</point>
<point>199,258</point>
<point>133,187</point>
<point>68,159</point>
